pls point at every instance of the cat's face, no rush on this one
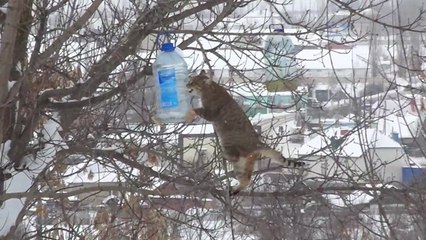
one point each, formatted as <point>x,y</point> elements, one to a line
<point>198,83</point>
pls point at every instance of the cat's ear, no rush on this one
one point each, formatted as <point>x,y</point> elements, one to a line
<point>207,78</point>
<point>203,73</point>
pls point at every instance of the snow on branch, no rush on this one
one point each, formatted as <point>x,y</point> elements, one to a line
<point>20,182</point>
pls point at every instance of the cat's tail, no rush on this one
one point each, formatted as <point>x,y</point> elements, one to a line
<point>278,157</point>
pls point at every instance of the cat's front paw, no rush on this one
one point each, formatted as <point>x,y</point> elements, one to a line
<point>190,116</point>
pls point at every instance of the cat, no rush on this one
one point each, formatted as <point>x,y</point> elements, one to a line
<point>238,139</point>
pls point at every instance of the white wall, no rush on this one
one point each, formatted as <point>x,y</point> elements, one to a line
<point>192,147</point>
<point>387,166</point>
<point>393,160</point>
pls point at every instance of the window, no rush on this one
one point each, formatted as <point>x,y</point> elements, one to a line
<point>202,157</point>
<point>282,101</point>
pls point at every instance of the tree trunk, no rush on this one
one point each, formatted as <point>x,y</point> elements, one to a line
<point>6,61</point>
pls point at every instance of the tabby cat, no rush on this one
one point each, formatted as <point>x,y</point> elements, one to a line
<point>239,141</point>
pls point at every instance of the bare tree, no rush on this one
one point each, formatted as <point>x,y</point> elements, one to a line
<point>84,158</point>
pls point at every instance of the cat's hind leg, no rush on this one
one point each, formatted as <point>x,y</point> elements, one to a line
<point>243,169</point>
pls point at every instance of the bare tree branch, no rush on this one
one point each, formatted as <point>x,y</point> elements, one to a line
<point>58,43</point>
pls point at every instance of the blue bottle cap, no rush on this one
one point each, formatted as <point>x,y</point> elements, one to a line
<point>278,30</point>
<point>167,47</point>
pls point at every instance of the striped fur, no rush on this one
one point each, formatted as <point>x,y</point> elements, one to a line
<point>238,139</point>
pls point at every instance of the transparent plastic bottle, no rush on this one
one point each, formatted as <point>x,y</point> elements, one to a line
<point>171,75</point>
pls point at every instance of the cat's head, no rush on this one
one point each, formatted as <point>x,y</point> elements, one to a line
<point>197,84</point>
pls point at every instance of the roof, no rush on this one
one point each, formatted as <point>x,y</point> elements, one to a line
<point>248,89</point>
<point>352,89</point>
<point>274,120</point>
<point>407,125</point>
<point>384,107</point>
<point>247,60</point>
<point>417,161</point>
<point>353,144</point>
<point>198,129</point>
<point>95,172</point>
<point>310,58</point>
<point>349,119</point>
<point>91,173</point>
<point>354,58</point>
<point>355,198</point>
